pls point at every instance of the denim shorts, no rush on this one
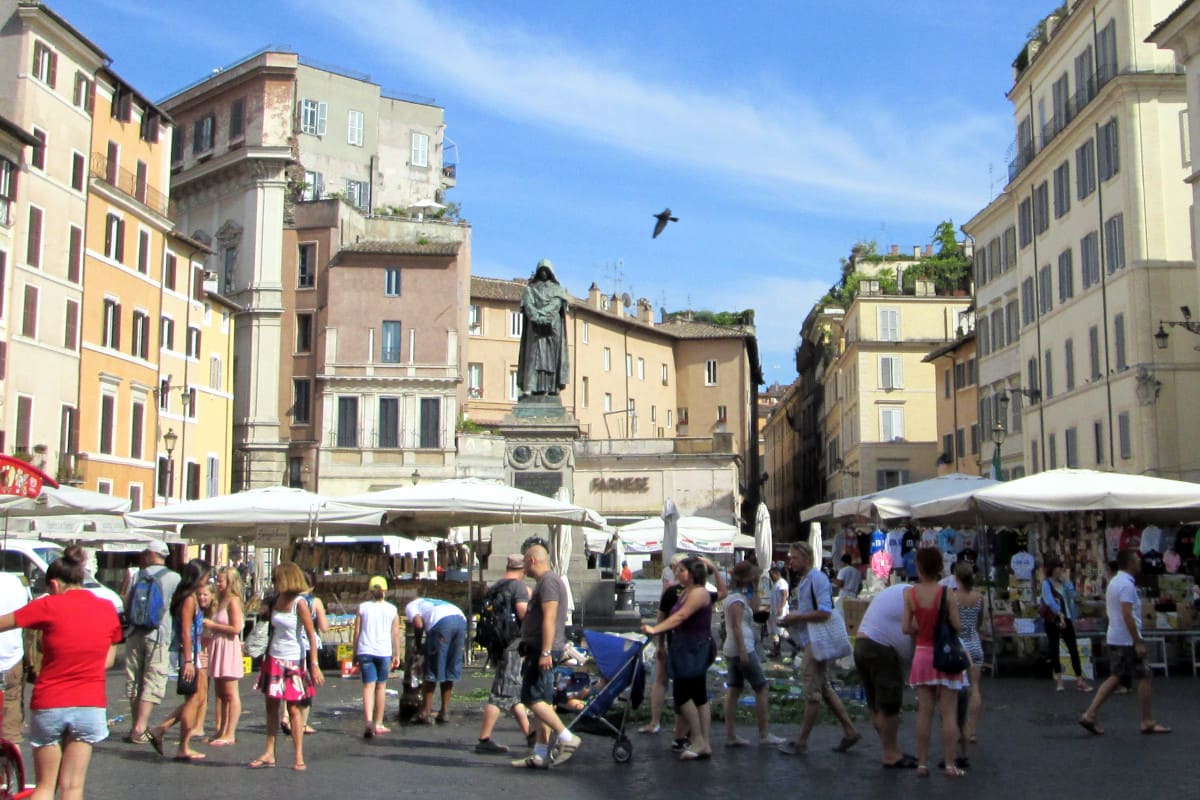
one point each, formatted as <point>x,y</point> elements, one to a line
<point>49,726</point>
<point>374,669</point>
<point>444,650</point>
<point>752,674</point>
<point>537,685</point>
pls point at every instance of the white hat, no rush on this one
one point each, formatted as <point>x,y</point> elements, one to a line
<point>158,547</point>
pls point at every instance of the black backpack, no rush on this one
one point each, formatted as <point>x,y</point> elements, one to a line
<point>498,624</point>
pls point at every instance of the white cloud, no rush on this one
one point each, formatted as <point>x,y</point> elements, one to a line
<point>843,160</point>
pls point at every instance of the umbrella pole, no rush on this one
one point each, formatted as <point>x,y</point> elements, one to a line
<point>984,558</point>
<point>469,654</point>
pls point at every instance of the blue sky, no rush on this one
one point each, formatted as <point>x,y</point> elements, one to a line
<point>779,132</point>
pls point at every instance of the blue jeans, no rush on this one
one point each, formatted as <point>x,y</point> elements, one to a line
<point>49,726</point>
<point>444,650</point>
<point>374,669</point>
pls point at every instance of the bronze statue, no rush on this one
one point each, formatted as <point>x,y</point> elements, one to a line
<point>543,368</point>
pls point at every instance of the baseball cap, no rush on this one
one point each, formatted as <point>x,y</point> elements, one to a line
<point>158,547</point>
<point>377,582</point>
<point>515,561</point>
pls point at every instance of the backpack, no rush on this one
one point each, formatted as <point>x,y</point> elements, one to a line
<point>146,602</point>
<point>498,624</point>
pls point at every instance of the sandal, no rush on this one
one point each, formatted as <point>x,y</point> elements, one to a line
<point>261,763</point>
<point>1155,728</point>
<point>1091,726</point>
<point>650,729</point>
<point>299,766</point>
<point>922,771</point>
<point>904,762</point>
<point>953,772</point>
<point>847,742</point>
<point>156,739</point>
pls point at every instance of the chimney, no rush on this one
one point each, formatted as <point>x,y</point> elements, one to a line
<point>916,251</point>
<point>593,296</point>
<point>895,250</point>
<point>645,312</point>
<point>614,304</point>
<point>928,251</point>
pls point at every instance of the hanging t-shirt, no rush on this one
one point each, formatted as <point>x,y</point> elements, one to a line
<point>966,540</point>
<point>1112,542</point>
<point>946,539</point>
<point>910,564</point>
<point>878,541</point>
<point>929,538</point>
<point>1131,538</point>
<point>910,541</point>
<point>895,545</point>
<point>1022,566</point>
<point>1151,539</point>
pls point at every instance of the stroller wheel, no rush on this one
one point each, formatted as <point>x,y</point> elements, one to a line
<point>622,751</point>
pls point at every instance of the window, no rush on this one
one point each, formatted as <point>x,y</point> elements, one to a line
<point>202,134</point>
<point>74,254</point>
<point>389,422</point>
<point>1069,363</point>
<point>1028,315</point>
<point>1066,276</point>
<point>114,238</point>
<point>24,423</point>
<point>38,158</point>
<point>998,329</point>
<point>214,373</point>
<point>1031,375</point>
<point>1061,103</point>
<point>420,150</point>
<point>1108,150</point>
<point>431,422</point>
<point>722,414</point>
<point>1094,351</point>
<point>1062,189</point>
<point>143,262</point>
<point>513,389</point>
<point>354,128</point>
<point>1124,435</point>
<point>1045,287</point>
<point>137,420</point>
<point>140,179</point>
<point>390,342</point>
<point>170,264</point>
<point>1010,248</point>
<point>1114,242</point>
<point>984,334</point>
<point>628,365</point>
<point>122,104</point>
<point>891,372</point>
<point>140,345</point>
<point>166,333</point>
<point>1071,445</point>
<point>1119,342</point>
<point>110,335</point>
<point>301,401</point>
<point>1089,259</point>
<point>30,312</point>
<point>1106,53</point>
<point>994,257</point>
<point>710,372</point>
<point>1052,451</point>
<point>665,374</point>
<point>313,116</point>
<point>391,284</point>
<point>891,424</point>
<point>584,331</point>
<point>192,480</point>
<point>607,402</point>
<point>584,391</point>
<point>948,448</point>
<point>306,270</point>
<point>946,383</point>
<point>108,422</point>
<point>607,360</point>
<point>670,415</point>
<point>228,267</point>
<point>77,171</point>
<point>981,267</point>
<point>83,96</point>
<point>193,342</point>
<point>237,120</point>
<point>45,64</point>
<point>475,320</point>
<point>1048,375</point>
<point>164,395</point>
<point>357,194</point>
<point>304,332</point>
<point>347,429</point>
<point>475,380</point>
<point>1025,222</point>
<point>177,145</point>
<point>1098,440</point>
<point>189,403</point>
<point>516,324</point>
<point>71,326</point>
<point>889,324</point>
<point>1085,78</point>
<point>1041,207</point>
<point>974,438</point>
<point>314,185</point>
<point>1085,169</point>
<point>960,375</point>
<point>295,472</point>
<point>213,476</point>
<point>641,368</point>
<point>135,497</point>
<point>33,244</point>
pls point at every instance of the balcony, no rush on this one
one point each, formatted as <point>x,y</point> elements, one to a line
<point>128,183</point>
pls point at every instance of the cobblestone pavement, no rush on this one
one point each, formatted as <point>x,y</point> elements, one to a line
<point>1029,741</point>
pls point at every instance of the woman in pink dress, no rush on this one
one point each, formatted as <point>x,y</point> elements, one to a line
<point>224,631</point>
<point>921,606</point>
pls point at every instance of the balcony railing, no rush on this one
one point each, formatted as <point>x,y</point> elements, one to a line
<point>128,183</point>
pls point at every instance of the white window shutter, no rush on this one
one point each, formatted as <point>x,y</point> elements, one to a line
<point>897,373</point>
<point>885,372</point>
<point>322,117</point>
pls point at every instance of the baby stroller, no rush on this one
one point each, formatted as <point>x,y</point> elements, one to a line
<point>12,768</point>
<point>620,663</point>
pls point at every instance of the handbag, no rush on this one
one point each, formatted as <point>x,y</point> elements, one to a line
<point>948,653</point>
<point>185,687</point>
<point>691,656</point>
<point>828,638</point>
<point>1046,613</point>
<point>256,643</point>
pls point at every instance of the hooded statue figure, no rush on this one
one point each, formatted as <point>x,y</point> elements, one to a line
<point>543,368</point>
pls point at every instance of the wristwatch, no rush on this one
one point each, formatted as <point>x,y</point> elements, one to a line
<point>545,654</point>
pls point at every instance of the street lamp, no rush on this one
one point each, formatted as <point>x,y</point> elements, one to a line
<point>416,477</point>
<point>170,439</point>
<point>998,437</point>
<point>1161,336</point>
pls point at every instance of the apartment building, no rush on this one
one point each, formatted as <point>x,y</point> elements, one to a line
<point>49,69</point>
<point>879,413</point>
<point>782,445</point>
<point>259,139</point>
<point>1084,252</point>
<point>963,441</point>
<point>374,356</point>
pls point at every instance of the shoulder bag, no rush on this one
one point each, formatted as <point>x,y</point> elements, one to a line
<point>828,638</point>
<point>948,653</point>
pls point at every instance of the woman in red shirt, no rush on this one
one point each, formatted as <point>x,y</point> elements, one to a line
<point>80,632</point>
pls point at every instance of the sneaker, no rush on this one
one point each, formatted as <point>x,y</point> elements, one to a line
<point>564,749</point>
<point>771,740</point>
<point>792,749</point>
<point>737,741</point>
<point>531,761</point>
<point>490,747</point>
<point>679,745</point>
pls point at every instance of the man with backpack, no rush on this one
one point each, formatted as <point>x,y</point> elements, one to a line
<point>148,639</point>
<point>499,630</point>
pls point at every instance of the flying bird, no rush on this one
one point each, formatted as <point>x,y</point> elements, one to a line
<point>663,219</point>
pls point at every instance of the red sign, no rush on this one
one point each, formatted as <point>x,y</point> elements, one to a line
<point>19,477</point>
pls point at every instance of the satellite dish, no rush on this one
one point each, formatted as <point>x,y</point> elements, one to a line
<point>626,300</point>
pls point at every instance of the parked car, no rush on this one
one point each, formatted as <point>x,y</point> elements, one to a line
<point>29,559</point>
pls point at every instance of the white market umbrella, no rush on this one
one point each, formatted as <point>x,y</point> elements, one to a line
<point>469,501</point>
<point>275,515</point>
<point>815,544</point>
<point>764,544</point>
<point>560,538</point>
<point>897,502</point>
<point>63,500</point>
<point>695,535</point>
<point>818,511</point>
<point>1066,490</point>
<point>425,205</point>
<point>669,538</point>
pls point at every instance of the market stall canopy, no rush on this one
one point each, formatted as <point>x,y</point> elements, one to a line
<point>469,501</point>
<point>818,511</point>
<point>696,535</point>
<point>62,500</point>
<point>1065,490</point>
<point>272,516</point>
<point>395,545</point>
<point>897,502</point>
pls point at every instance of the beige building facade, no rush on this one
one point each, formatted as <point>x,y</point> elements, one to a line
<point>1100,254</point>
<point>962,442</point>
